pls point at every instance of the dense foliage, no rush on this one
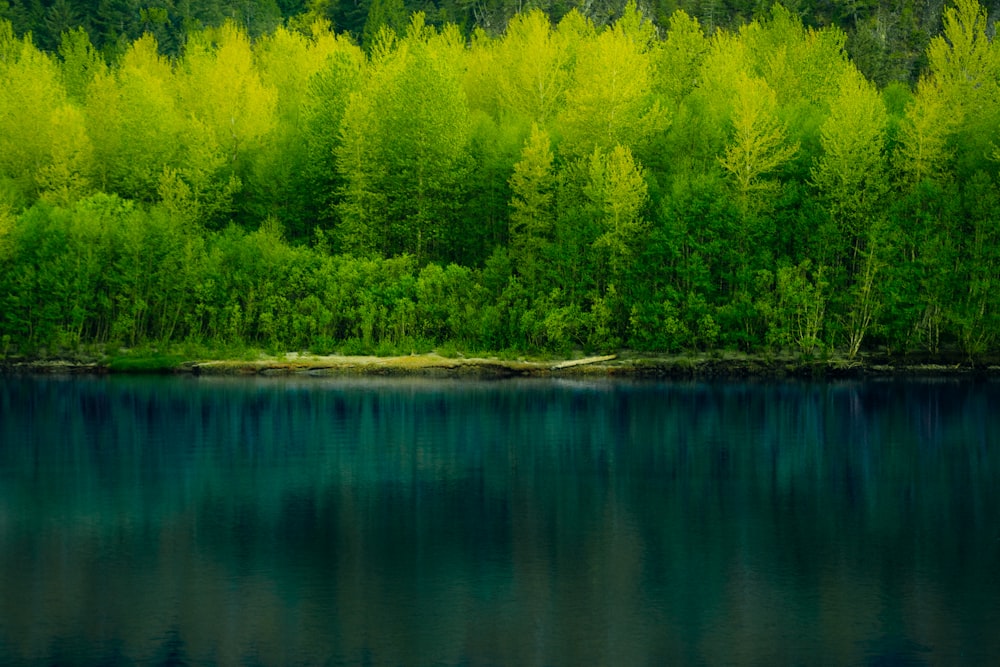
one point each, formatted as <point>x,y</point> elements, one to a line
<point>554,186</point>
<point>887,40</point>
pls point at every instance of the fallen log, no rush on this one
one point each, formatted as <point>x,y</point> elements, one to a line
<point>582,362</point>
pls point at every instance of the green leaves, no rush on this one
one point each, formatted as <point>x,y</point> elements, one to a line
<point>681,57</point>
<point>759,144</point>
<point>220,85</point>
<point>618,192</point>
<point>291,172</point>
<point>134,122</point>
<point>965,69</point>
<point>610,100</point>
<point>532,68</point>
<point>851,171</point>
<point>925,144</point>
<point>31,91</point>
<point>532,217</point>
<point>963,59</point>
<point>404,149</point>
<point>67,176</point>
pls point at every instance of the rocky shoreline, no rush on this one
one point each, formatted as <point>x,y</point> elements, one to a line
<point>722,365</point>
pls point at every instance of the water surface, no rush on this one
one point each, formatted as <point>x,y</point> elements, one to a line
<point>446,522</point>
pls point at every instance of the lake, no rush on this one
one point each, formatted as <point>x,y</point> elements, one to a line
<point>152,520</point>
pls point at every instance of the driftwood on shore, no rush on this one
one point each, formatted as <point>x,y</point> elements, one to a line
<point>418,363</point>
<point>368,365</point>
<point>583,362</point>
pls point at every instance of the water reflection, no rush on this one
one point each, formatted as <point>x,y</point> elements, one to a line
<point>165,521</point>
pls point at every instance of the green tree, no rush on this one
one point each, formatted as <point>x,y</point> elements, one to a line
<point>801,64</point>
<point>963,60</point>
<point>31,92</point>
<point>619,194</point>
<point>532,216</point>
<point>681,57</point>
<point>81,62</point>
<point>60,17</point>
<point>974,310</point>
<point>290,173</point>
<point>611,98</point>
<point>925,150</point>
<point>383,14</point>
<point>220,86</point>
<point>404,148</point>
<point>965,65</point>
<point>67,176</point>
<point>852,178</point>
<point>759,144</point>
<point>851,173</point>
<point>484,213</point>
<point>327,97</point>
<point>530,69</point>
<point>134,122</point>
<point>230,111</point>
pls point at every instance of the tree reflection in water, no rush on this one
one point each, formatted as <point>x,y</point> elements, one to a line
<point>166,520</point>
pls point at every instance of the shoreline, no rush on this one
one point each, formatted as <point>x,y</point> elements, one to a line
<point>623,365</point>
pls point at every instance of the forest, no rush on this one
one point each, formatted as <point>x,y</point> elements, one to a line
<point>274,176</point>
<point>886,39</point>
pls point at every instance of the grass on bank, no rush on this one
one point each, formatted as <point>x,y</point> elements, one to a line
<point>170,358</point>
<point>418,356</point>
<point>180,357</point>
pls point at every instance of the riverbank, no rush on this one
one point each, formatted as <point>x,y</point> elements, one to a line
<point>721,364</point>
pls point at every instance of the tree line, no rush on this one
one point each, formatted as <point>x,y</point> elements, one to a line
<point>558,185</point>
<point>887,40</point>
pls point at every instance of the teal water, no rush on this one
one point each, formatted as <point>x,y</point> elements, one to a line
<point>445,522</point>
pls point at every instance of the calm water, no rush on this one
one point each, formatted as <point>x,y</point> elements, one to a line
<point>415,522</point>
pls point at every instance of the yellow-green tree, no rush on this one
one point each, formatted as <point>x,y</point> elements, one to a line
<point>482,72</point>
<point>228,113</point>
<point>532,215</point>
<point>81,62</point>
<point>219,85</point>
<point>30,92</point>
<point>404,147</point>
<point>963,59</point>
<point>702,128</point>
<point>759,143</point>
<point>134,122</point>
<point>531,68</point>
<point>327,96</point>
<point>619,194</point>
<point>681,57</point>
<point>611,98</point>
<point>801,64</point>
<point>965,65</point>
<point>302,69</point>
<point>851,172</point>
<point>67,176</point>
<point>925,150</point>
<point>851,176</point>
